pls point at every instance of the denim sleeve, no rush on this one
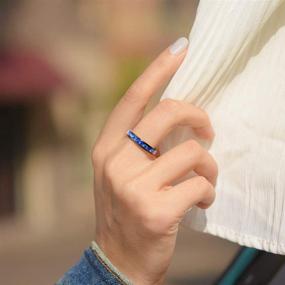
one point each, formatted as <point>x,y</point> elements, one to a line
<point>90,270</point>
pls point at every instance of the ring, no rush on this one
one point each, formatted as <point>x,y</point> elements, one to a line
<point>145,146</point>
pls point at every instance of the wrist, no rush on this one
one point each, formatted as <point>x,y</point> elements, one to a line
<point>108,264</point>
<point>127,263</point>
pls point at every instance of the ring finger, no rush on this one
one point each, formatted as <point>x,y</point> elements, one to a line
<point>167,115</point>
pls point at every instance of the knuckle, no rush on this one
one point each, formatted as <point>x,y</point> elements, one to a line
<point>204,114</point>
<point>132,195</point>
<point>111,167</point>
<point>210,196</point>
<point>213,167</point>
<point>195,147</point>
<point>169,105</point>
<point>202,183</point>
<point>97,155</point>
<point>131,187</point>
<point>155,221</point>
<point>206,188</point>
<point>193,144</point>
<point>129,196</point>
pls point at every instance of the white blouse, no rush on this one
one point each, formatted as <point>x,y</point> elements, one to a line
<point>235,70</point>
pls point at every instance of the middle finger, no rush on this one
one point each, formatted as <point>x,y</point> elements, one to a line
<point>169,114</point>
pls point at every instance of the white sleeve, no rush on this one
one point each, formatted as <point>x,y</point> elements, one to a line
<point>235,70</point>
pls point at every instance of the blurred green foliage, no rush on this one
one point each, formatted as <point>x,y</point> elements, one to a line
<point>127,71</point>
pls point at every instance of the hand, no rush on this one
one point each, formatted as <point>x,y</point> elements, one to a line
<point>138,204</point>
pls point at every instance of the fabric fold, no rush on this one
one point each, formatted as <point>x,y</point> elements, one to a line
<point>235,70</point>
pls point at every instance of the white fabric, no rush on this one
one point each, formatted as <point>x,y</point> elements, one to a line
<point>235,70</point>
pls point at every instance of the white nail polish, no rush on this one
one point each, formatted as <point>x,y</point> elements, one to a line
<point>178,46</point>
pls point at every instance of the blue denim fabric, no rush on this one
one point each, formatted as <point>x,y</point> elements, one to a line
<point>88,271</point>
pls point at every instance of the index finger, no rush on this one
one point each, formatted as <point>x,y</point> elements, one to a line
<point>131,106</point>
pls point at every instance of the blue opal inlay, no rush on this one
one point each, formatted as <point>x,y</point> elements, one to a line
<point>142,144</point>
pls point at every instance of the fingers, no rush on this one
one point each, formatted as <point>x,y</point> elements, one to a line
<point>179,161</point>
<point>195,191</point>
<point>169,114</point>
<point>131,106</point>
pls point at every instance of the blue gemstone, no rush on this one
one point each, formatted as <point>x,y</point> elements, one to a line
<point>141,143</point>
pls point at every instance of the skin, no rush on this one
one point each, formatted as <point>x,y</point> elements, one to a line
<point>139,204</point>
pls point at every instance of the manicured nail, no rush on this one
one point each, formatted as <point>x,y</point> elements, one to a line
<point>179,46</point>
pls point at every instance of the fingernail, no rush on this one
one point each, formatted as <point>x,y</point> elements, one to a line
<point>179,46</point>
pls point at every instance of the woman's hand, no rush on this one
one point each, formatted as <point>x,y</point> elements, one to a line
<point>138,204</point>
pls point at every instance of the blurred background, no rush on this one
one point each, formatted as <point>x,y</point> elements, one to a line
<point>63,66</point>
